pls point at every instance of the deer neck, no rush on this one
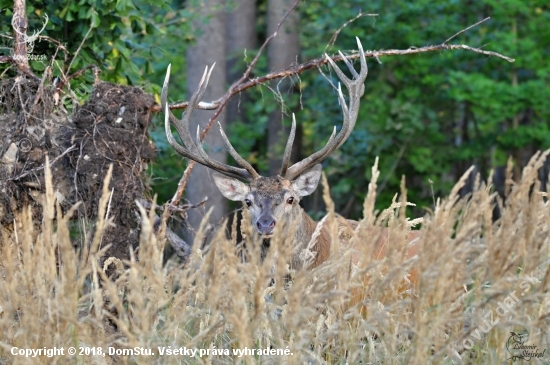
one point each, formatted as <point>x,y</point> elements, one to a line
<point>306,227</point>
<point>302,238</point>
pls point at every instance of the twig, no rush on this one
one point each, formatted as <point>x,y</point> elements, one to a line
<point>79,47</point>
<point>23,174</point>
<point>54,41</point>
<point>41,87</point>
<point>467,29</point>
<point>180,209</point>
<point>182,248</point>
<point>335,35</point>
<point>182,184</point>
<point>6,59</point>
<point>75,74</point>
<point>296,69</point>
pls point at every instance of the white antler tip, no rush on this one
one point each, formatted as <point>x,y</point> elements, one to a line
<point>167,78</point>
<point>359,45</point>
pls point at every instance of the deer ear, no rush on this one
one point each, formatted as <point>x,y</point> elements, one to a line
<point>231,188</point>
<point>307,182</point>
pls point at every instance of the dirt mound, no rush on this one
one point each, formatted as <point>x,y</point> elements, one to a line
<point>29,123</point>
<point>111,128</point>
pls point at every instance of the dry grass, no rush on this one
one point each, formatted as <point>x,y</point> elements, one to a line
<point>50,294</point>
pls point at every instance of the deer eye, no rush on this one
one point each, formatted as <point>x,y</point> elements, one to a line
<point>248,202</point>
<point>290,200</point>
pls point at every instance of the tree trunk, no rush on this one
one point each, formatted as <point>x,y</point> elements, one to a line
<point>20,35</point>
<point>210,48</point>
<point>283,51</point>
<point>240,37</point>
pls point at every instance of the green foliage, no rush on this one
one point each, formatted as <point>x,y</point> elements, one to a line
<point>448,110</point>
<point>123,38</point>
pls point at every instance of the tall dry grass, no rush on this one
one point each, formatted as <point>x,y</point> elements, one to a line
<point>53,296</point>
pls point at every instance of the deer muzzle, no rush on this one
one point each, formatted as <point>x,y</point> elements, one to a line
<point>265,225</point>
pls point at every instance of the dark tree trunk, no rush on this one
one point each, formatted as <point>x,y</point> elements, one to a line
<point>283,51</point>
<point>240,38</point>
<point>210,48</point>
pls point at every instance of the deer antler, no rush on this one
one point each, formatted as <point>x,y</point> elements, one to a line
<point>194,150</point>
<point>356,88</point>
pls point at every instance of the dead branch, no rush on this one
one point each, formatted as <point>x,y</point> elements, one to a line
<point>25,173</point>
<point>79,48</point>
<point>58,44</point>
<point>180,246</point>
<point>335,35</point>
<point>297,69</point>
<point>178,209</point>
<point>78,73</point>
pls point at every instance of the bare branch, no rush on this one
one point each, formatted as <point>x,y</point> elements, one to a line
<point>25,173</point>
<point>75,74</point>
<point>79,47</point>
<point>178,209</point>
<point>25,70</point>
<point>467,29</point>
<point>297,69</point>
<point>335,35</point>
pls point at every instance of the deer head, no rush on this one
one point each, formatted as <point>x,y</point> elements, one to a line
<point>274,200</point>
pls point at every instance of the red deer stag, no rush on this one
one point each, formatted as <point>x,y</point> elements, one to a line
<point>273,201</point>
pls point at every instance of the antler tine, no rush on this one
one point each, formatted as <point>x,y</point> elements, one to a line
<point>182,127</point>
<point>356,89</point>
<point>179,148</point>
<point>221,167</point>
<point>348,63</point>
<point>190,148</point>
<point>288,148</point>
<point>241,161</point>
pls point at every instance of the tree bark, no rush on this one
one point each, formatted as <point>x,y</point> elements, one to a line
<point>240,38</point>
<point>210,48</point>
<point>20,30</point>
<point>283,51</point>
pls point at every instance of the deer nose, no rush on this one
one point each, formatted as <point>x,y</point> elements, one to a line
<point>265,225</point>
